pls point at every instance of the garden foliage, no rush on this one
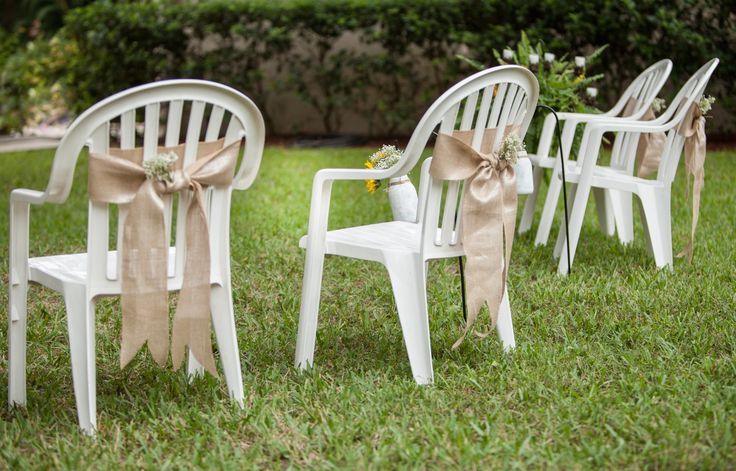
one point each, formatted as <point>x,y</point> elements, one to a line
<point>407,54</point>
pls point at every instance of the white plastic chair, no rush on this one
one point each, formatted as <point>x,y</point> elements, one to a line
<point>82,278</point>
<point>405,247</point>
<point>614,211</point>
<point>654,195</point>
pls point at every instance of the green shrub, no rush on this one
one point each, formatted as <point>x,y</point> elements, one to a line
<point>32,81</point>
<point>407,53</point>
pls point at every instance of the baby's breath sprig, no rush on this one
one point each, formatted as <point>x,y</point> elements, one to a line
<point>511,147</point>
<point>159,167</point>
<point>706,103</point>
<point>658,105</point>
<point>382,159</point>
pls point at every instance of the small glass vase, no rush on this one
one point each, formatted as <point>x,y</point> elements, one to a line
<point>403,198</point>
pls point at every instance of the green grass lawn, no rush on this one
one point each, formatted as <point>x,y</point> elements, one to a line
<point>618,365</point>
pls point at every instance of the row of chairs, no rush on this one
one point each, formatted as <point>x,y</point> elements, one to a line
<point>189,112</point>
<point>614,185</point>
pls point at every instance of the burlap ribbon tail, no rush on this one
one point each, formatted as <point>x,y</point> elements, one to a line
<point>119,178</point>
<point>692,129</point>
<point>488,215</point>
<point>651,145</point>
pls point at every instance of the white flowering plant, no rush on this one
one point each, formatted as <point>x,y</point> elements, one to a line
<point>511,147</point>
<point>706,104</point>
<point>658,105</point>
<point>160,167</point>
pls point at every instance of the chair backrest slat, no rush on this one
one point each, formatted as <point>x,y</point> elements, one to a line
<point>173,123</point>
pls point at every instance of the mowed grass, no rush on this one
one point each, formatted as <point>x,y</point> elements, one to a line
<point>618,365</point>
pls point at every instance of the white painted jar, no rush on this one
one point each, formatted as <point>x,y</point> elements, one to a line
<point>403,198</point>
<point>524,175</point>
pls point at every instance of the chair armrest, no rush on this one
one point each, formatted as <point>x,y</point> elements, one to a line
<point>22,195</point>
<point>583,117</point>
<point>332,174</point>
<point>627,125</point>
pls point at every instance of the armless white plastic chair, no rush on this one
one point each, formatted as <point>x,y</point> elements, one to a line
<point>82,278</point>
<point>654,195</point>
<point>614,212</point>
<point>507,96</point>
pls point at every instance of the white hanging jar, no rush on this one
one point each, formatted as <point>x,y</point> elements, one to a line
<point>403,198</point>
<point>524,175</point>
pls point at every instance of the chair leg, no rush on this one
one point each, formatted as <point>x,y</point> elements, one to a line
<point>531,202</point>
<point>17,325</point>
<point>504,325</point>
<point>548,212</point>
<point>622,205</point>
<point>410,292</point>
<point>644,224</point>
<point>17,302</point>
<point>603,204</point>
<point>576,224</point>
<point>223,320</point>
<point>656,208</point>
<point>309,309</point>
<point>81,325</point>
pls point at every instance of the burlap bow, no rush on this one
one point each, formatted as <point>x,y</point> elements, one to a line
<point>488,215</point>
<point>119,178</point>
<point>651,145</point>
<point>692,129</point>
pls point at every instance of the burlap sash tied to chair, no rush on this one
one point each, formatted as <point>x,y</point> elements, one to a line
<point>692,129</point>
<point>651,145</point>
<point>119,178</point>
<point>488,215</point>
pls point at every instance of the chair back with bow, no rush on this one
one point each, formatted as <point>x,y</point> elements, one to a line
<point>676,113</point>
<point>150,118</point>
<point>642,91</point>
<point>671,119</point>
<point>501,98</point>
<point>635,103</point>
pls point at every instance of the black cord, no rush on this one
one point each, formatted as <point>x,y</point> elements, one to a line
<point>462,288</point>
<point>564,182</point>
<point>564,200</point>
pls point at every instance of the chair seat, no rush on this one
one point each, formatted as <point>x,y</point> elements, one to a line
<point>608,177</point>
<point>371,241</point>
<point>55,271</point>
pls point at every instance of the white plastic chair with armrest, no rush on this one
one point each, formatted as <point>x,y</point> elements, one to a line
<point>614,211</point>
<point>507,96</point>
<point>82,278</point>
<point>654,195</point>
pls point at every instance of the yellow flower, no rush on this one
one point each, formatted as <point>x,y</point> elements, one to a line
<point>371,185</point>
<point>368,164</point>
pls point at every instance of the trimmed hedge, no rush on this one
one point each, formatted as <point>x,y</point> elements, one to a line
<point>407,53</point>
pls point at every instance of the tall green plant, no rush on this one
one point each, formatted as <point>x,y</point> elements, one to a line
<point>561,86</point>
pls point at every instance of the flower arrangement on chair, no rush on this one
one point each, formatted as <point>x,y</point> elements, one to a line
<point>401,193</point>
<point>382,159</point>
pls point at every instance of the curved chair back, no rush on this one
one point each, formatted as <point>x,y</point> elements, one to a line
<point>676,112</point>
<point>494,98</point>
<point>644,89</point>
<point>672,117</point>
<point>165,113</point>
